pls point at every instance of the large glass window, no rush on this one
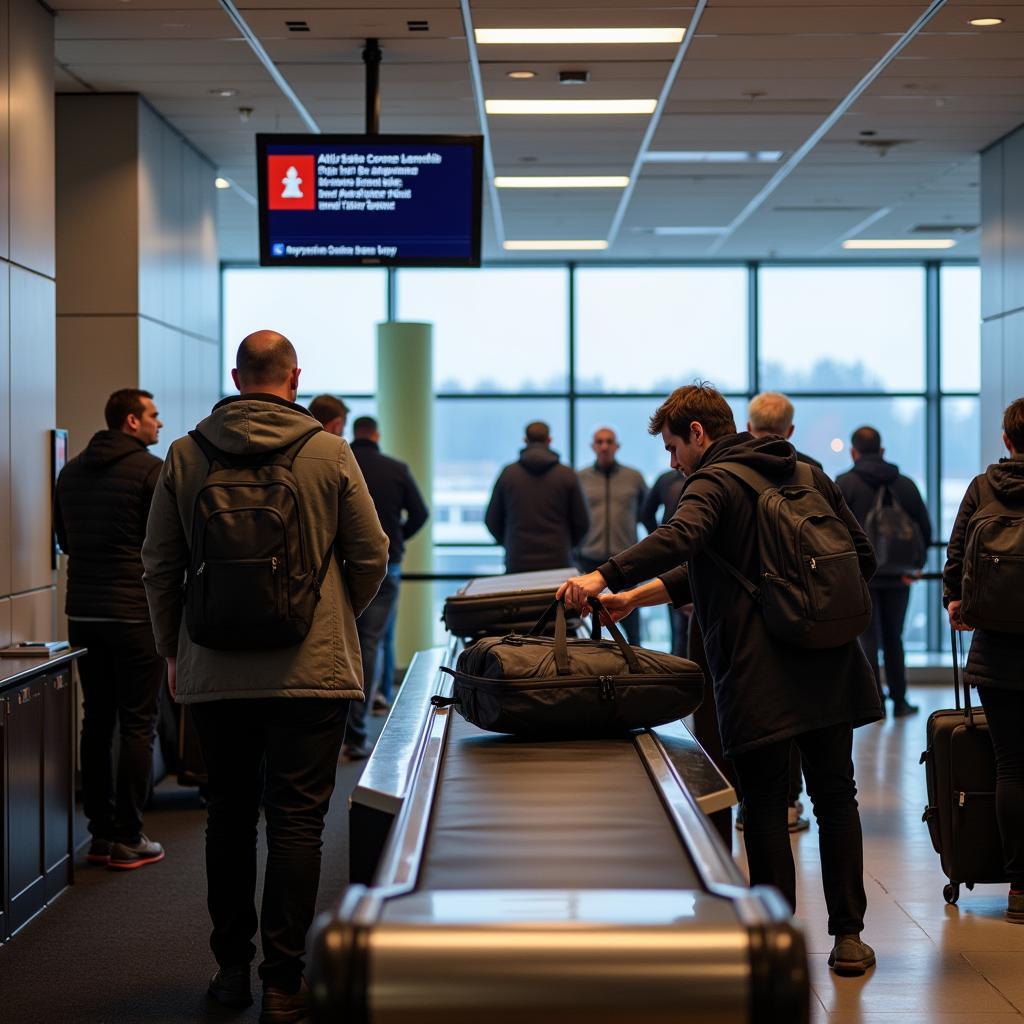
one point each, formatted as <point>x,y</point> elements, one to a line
<point>494,330</point>
<point>960,325</point>
<point>651,328</point>
<point>329,315</point>
<point>961,445</point>
<point>842,328</point>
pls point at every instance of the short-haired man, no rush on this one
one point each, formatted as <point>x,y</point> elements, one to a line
<point>402,513</point>
<point>890,593</point>
<point>100,509</point>
<point>768,693</point>
<point>332,413</point>
<point>615,497</point>
<point>537,511</point>
<point>270,721</point>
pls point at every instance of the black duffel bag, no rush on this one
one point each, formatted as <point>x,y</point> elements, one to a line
<point>536,685</point>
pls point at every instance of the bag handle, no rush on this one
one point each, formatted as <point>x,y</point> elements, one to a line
<point>596,610</point>
<point>959,667</point>
<point>560,646</point>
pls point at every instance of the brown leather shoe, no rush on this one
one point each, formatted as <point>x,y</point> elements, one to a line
<point>281,1007</point>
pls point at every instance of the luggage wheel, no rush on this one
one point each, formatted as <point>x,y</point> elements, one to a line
<point>951,893</point>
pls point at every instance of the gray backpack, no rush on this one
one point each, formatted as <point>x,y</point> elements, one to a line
<point>810,588</point>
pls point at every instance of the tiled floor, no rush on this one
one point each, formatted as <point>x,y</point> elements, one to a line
<point>937,964</point>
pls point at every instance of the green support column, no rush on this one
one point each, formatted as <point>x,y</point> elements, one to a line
<point>405,411</point>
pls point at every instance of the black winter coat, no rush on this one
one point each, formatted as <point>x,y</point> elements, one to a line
<point>995,659</point>
<point>663,495</point>
<point>860,486</point>
<point>394,492</point>
<point>765,690</point>
<point>100,510</point>
<point>537,511</point>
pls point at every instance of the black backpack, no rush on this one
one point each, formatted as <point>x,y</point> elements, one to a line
<point>810,589</point>
<point>251,584</point>
<point>992,587</point>
<point>895,536</point>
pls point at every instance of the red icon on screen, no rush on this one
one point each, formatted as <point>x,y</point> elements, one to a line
<point>291,182</point>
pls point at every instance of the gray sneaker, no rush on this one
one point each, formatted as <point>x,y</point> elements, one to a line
<point>851,956</point>
<point>127,856</point>
<point>1015,907</point>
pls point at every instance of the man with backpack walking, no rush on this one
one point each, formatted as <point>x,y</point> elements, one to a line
<point>983,586</point>
<point>268,520</point>
<point>779,676</point>
<point>892,513</point>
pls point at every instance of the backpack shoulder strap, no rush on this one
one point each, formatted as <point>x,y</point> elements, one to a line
<point>759,483</point>
<point>208,448</point>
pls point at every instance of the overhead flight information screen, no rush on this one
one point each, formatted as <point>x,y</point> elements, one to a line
<point>350,200</point>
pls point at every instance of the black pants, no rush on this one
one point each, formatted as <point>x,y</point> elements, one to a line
<point>370,627</point>
<point>888,613</point>
<point>630,625</point>
<point>121,677</point>
<point>283,753</point>
<point>764,776</point>
<point>1004,710</point>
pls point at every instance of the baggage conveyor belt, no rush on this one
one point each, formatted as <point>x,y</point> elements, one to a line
<point>572,881</point>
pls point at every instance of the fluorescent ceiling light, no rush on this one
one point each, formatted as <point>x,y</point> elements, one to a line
<point>545,36</point>
<point>554,245</point>
<point>687,230</point>
<point>899,243</point>
<point>222,183</point>
<point>985,22</point>
<point>570,106</point>
<point>563,181</point>
<point>725,156</point>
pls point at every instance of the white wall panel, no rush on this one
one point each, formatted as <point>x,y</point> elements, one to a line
<point>992,404</point>
<point>5,621</point>
<point>5,138</point>
<point>1013,221</point>
<point>5,430</point>
<point>33,615</point>
<point>149,163</point>
<point>32,209</point>
<point>171,227</point>
<point>33,409</point>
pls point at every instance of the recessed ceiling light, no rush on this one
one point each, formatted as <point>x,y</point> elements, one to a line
<point>570,106</point>
<point>546,36</point>
<point>224,92</point>
<point>724,156</point>
<point>222,183</point>
<point>899,243</point>
<point>687,230</point>
<point>562,181</point>
<point>985,22</point>
<point>836,445</point>
<point>521,74</point>
<point>554,246</point>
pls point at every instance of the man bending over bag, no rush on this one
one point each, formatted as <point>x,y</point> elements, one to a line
<point>780,598</point>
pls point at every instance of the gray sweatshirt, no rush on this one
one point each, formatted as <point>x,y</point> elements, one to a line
<point>615,500</point>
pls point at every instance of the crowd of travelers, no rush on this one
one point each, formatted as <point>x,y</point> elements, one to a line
<point>256,573</point>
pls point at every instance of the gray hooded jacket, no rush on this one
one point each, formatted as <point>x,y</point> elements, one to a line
<point>336,509</point>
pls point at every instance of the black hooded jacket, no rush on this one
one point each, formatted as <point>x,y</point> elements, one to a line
<point>537,511</point>
<point>765,689</point>
<point>100,510</point>
<point>860,486</point>
<point>996,659</point>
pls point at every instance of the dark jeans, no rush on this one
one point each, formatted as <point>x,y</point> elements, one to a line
<point>888,613</point>
<point>1004,710</point>
<point>283,753</point>
<point>630,625</point>
<point>370,626</point>
<point>385,674</point>
<point>121,677</point>
<point>764,776</point>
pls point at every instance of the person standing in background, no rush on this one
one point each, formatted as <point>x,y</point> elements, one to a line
<point>615,497</point>
<point>663,497</point>
<point>101,505</point>
<point>332,413</point>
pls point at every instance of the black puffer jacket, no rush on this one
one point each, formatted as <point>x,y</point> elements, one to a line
<point>860,486</point>
<point>100,511</point>
<point>996,659</point>
<point>765,690</point>
<point>537,511</point>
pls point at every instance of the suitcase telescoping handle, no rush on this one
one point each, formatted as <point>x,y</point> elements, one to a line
<point>561,646</point>
<point>959,665</point>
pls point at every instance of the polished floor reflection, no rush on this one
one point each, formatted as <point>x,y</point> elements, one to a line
<point>936,964</point>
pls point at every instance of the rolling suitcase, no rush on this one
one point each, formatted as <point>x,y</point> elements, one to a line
<point>493,605</point>
<point>961,775</point>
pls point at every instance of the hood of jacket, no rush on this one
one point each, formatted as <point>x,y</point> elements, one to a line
<point>875,470</point>
<point>1007,478</point>
<point>108,447</point>
<point>772,457</point>
<point>247,424</point>
<point>537,458</point>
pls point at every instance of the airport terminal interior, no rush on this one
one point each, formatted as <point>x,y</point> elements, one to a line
<point>561,212</point>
